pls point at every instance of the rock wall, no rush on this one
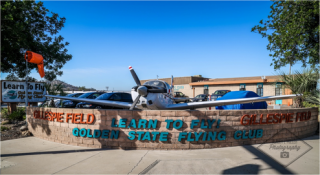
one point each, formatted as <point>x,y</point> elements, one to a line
<point>175,129</point>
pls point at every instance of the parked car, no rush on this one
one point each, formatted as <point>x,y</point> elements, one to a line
<point>74,95</point>
<point>48,102</point>
<point>218,94</point>
<point>44,103</point>
<point>179,94</point>
<point>180,97</point>
<point>89,95</point>
<point>113,96</point>
<point>58,102</point>
<point>200,97</point>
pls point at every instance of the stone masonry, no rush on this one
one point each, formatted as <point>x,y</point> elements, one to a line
<point>61,132</point>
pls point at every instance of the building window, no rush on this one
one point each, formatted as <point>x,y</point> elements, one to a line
<point>278,89</point>
<point>260,89</point>
<point>242,87</point>
<point>206,89</point>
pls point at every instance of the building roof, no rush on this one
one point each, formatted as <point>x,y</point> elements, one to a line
<point>180,80</point>
<point>237,80</point>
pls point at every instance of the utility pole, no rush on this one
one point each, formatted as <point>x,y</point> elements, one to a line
<point>157,77</point>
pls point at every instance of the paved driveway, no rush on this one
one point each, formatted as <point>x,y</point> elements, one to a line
<point>35,156</point>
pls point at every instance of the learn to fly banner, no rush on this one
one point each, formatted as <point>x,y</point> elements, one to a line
<point>15,91</point>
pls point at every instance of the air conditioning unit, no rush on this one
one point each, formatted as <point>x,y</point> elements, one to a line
<point>241,86</point>
<point>259,85</point>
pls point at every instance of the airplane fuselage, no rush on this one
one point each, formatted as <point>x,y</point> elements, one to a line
<point>154,100</point>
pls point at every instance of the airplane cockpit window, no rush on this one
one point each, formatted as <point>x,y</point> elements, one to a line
<point>155,83</point>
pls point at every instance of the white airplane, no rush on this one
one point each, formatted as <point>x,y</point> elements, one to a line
<point>158,95</point>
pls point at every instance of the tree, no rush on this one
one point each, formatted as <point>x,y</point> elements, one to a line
<point>82,88</point>
<point>314,98</point>
<point>13,77</point>
<point>54,89</point>
<point>292,30</point>
<point>28,25</point>
<point>302,82</point>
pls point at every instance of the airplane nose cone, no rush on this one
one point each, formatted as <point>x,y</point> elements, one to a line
<point>143,91</point>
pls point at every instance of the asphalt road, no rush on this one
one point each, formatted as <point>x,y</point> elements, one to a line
<point>36,156</point>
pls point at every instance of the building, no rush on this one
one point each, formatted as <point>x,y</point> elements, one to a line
<point>182,84</point>
<point>263,86</point>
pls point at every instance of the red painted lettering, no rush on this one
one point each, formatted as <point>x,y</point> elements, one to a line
<point>269,118</point>
<point>282,117</point>
<point>261,119</point>
<point>76,118</point>
<point>289,117</point>
<point>276,118</point>
<point>92,119</point>
<point>81,119</point>
<point>67,117</point>
<point>59,117</point>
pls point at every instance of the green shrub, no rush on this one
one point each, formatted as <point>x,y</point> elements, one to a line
<point>4,113</point>
<point>309,105</point>
<point>4,128</point>
<point>19,114</point>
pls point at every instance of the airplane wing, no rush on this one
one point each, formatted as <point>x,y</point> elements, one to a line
<point>228,102</point>
<point>99,102</point>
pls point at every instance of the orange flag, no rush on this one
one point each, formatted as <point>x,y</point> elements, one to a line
<point>36,59</point>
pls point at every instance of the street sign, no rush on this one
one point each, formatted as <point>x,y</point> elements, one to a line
<point>14,91</point>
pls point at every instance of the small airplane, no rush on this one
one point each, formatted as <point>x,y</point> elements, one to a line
<point>158,95</point>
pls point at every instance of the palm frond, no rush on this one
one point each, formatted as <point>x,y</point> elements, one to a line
<point>56,89</point>
<point>302,82</point>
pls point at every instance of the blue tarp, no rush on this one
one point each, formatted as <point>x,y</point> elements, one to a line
<point>241,94</point>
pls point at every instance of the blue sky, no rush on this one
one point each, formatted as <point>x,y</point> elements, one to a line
<point>213,39</point>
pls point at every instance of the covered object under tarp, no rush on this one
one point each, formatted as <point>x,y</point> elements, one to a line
<point>241,94</point>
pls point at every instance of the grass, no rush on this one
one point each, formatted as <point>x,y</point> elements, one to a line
<point>4,128</point>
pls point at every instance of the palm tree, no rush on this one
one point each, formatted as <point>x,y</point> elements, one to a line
<point>304,82</point>
<point>54,89</point>
<point>314,98</point>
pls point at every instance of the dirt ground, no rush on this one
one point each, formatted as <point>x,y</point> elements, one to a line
<point>14,131</point>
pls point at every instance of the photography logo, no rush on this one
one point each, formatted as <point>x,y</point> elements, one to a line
<point>286,152</point>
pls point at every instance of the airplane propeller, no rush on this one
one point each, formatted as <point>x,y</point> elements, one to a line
<point>134,75</point>
<point>142,90</point>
